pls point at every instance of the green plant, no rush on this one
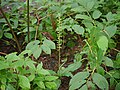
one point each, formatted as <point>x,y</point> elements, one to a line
<point>19,72</point>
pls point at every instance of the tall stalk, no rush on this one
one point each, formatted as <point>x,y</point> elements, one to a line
<point>13,33</point>
<point>59,42</point>
<point>28,20</point>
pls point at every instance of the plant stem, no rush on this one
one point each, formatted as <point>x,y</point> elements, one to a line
<point>13,33</point>
<point>28,21</point>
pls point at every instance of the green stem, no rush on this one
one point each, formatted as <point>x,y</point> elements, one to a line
<point>13,33</point>
<point>28,21</point>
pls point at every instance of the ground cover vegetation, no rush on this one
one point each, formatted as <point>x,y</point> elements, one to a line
<point>59,44</point>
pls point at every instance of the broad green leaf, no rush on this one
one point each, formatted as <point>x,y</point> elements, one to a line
<point>51,78</point>
<point>8,35</point>
<point>44,72</point>
<point>37,52</point>
<point>46,49</point>
<point>117,86</point>
<point>31,29</point>
<point>24,82</point>
<point>51,85</point>
<point>78,29</point>
<point>12,57</point>
<point>10,87</point>
<point>108,62</point>
<point>96,14</point>
<point>18,63</point>
<point>31,77</point>
<point>72,67</point>
<point>90,5</point>
<point>3,65</point>
<point>30,64</point>
<point>79,16</point>
<point>110,17</point>
<point>76,84</point>
<point>79,9</point>
<point>41,84</point>
<point>100,81</point>
<point>39,66</point>
<point>32,44</point>
<point>49,43</point>
<point>79,76</point>
<point>100,70</point>
<point>102,43</point>
<point>84,87</point>
<point>111,30</point>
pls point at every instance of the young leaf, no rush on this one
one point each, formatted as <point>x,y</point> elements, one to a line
<point>78,29</point>
<point>31,44</point>
<point>103,43</point>
<point>96,14</point>
<point>79,16</point>
<point>37,52</point>
<point>100,81</point>
<point>79,76</point>
<point>108,62</point>
<point>51,85</point>
<point>24,82</point>
<point>8,35</point>
<point>46,49</point>
<point>79,9</point>
<point>51,78</point>
<point>76,84</point>
<point>3,65</point>
<point>41,84</point>
<point>49,43</point>
<point>111,30</point>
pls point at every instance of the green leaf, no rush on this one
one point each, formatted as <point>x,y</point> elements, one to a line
<point>110,17</point>
<point>76,84</point>
<point>96,14</point>
<point>84,87</point>
<point>37,52</point>
<point>51,78</point>
<point>10,87</point>
<point>12,57</point>
<point>24,82</point>
<point>102,43</point>
<point>44,72</point>
<point>8,35</point>
<point>90,5</point>
<point>79,76</point>
<point>111,30</point>
<point>31,44</point>
<point>79,16</point>
<point>46,49</point>
<point>79,9</point>
<point>70,68</point>
<point>3,65</point>
<point>108,62</point>
<point>31,77</point>
<point>78,29</point>
<point>51,85</point>
<point>117,86</point>
<point>31,29</point>
<point>41,84</point>
<point>100,81</point>
<point>49,43</point>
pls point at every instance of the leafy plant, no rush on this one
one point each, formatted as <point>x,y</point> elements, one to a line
<point>20,72</point>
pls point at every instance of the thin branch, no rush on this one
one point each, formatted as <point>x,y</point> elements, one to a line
<point>16,40</point>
